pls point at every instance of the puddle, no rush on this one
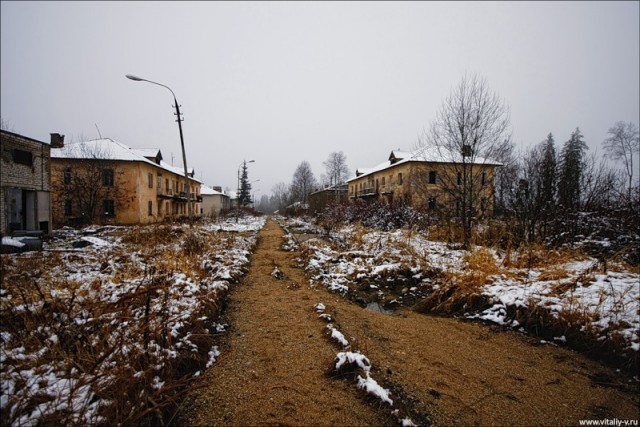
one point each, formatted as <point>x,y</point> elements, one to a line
<point>374,306</point>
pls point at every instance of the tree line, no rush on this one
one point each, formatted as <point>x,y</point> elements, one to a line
<point>546,191</point>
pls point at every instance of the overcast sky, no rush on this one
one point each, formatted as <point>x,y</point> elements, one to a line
<point>284,82</point>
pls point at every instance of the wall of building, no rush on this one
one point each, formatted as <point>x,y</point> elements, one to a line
<point>27,179</point>
<point>409,182</point>
<point>136,184</point>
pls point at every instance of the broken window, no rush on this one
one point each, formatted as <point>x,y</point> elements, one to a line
<point>107,177</point>
<point>109,207</point>
<point>432,177</point>
<point>23,157</point>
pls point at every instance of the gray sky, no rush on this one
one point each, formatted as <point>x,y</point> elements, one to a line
<point>291,81</point>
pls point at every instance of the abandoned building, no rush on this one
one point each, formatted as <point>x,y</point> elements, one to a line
<point>25,184</point>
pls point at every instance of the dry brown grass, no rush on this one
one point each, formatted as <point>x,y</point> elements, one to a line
<point>116,344</point>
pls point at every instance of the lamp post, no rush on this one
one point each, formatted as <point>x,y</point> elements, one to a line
<point>244,162</point>
<point>184,156</point>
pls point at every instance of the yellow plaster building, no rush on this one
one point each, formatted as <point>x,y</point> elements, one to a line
<point>431,181</point>
<point>106,182</point>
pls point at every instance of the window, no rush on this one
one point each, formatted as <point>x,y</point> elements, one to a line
<point>383,181</point>
<point>23,157</point>
<point>150,208</point>
<point>159,208</point>
<point>483,204</point>
<point>67,176</point>
<point>107,177</point>
<point>459,178</point>
<point>159,184</point>
<point>109,207</point>
<point>166,186</point>
<point>432,177</point>
<point>484,178</point>
<point>150,180</point>
<point>399,179</point>
<point>68,207</point>
<point>432,204</point>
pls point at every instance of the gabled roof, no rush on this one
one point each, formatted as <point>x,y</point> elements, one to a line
<point>108,149</point>
<point>428,155</point>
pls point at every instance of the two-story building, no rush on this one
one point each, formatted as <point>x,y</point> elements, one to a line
<point>214,201</point>
<point>428,180</point>
<point>105,181</point>
<point>25,184</point>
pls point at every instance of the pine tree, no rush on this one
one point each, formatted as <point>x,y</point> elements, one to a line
<point>572,160</point>
<point>548,174</point>
<point>244,196</point>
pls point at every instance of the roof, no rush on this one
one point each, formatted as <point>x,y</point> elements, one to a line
<point>205,190</point>
<point>23,137</point>
<point>108,149</point>
<point>427,155</point>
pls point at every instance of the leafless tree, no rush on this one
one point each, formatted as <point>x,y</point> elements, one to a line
<point>598,184</point>
<point>303,183</point>
<point>623,144</point>
<point>471,129</point>
<point>280,196</point>
<point>336,168</point>
<point>89,185</point>
<point>5,125</point>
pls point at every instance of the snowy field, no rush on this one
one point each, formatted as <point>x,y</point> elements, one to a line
<point>398,267</point>
<point>109,325</point>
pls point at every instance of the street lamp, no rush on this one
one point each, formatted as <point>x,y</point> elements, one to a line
<point>244,162</point>
<point>179,120</point>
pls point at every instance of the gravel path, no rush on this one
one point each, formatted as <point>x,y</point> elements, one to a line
<point>275,367</point>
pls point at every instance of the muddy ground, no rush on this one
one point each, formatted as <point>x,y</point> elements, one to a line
<point>276,364</point>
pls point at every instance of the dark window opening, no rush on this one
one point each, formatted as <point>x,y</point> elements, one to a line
<point>107,177</point>
<point>484,178</point>
<point>150,208</point>
<point>459,178</point>
<point>432,204</point>
<point>68,207</point>
<point>23,157</point>
<point>67,176</point>
<point>109,207</point>
<point>432,177</point>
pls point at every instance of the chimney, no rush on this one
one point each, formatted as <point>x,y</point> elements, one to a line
<point>57,140</point>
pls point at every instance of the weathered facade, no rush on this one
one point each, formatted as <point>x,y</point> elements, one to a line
<point>25,185</point>
<point>214,201</point>
<point>428,182</point>
<point>106,182</point>
<point>321,198</point>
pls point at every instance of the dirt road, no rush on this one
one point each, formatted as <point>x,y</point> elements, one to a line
<point>276,364</point>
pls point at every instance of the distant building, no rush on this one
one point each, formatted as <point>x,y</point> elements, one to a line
<point>106,182</point>
<point>25,184</point>
<point>214,201</point>
<point>321,198</point>
<point>426,180</point>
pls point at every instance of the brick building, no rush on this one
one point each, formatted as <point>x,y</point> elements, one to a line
<point>25,184</point>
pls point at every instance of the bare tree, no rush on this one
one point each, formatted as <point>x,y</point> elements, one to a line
<point>336,167</point>
<point>89,183</point>
<point>303,183</point>
<point>471,129</point>
<point>623,144</point>
<point>280,196</point>
<point>5,125</point>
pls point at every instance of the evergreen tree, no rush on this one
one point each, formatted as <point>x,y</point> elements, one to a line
<point>572,159</point>
<point>244,195</point>
<point>548,180</point>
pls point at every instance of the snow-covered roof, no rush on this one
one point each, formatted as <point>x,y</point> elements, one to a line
<point>148,152</point>
<point>205,190</point>
<point>427,155</point>
<point>108,149</point>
